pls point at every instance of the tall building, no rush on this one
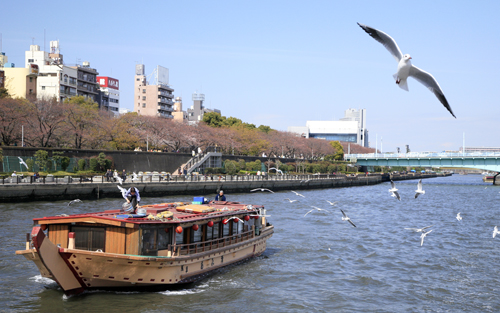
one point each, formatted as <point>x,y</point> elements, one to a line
<point>109,95</point>
<point>87,85</point>
<point>350,128</point>
<point>153,99</point>
<point>21,82</point>
<point>196,111</point>
<point>54,78</point>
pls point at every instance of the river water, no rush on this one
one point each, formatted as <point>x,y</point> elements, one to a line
<point>316,263</point>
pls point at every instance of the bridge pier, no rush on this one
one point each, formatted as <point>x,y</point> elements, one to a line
<point>495,178</point>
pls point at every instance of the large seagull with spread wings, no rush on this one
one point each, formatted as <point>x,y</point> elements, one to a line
<point>405,68</point>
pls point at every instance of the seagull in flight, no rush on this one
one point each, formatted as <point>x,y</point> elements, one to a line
<point>123,191</point>
<point>277,170</point>
<point>346,218</point>
<point>134,176</point>
<point>316,208</point>
<point>423,236</point>
<point>405,68</point>
<point>21,161</point>
<point>237,218</point>
<point>420,230</point>
<point>261,189</point>
<point>394,191</point>
<point>298,194</point>
<point>291,201</point>
<point>332,203</point>
<point>74,201</point>
<point>459,218</point>
<point>419,190</point>
<point>119,180</point>
<point>495,231</point>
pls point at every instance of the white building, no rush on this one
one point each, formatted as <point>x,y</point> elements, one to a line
<point>54,78</point>
<point>110,93</point>
<point>350,128</point>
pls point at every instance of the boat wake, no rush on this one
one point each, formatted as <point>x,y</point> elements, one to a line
<point>42,280</point>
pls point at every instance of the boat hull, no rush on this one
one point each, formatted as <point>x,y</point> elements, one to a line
<point>88,270</point>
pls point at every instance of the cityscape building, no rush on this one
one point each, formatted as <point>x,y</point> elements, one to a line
<point>350,128</point>
<point>153,99</point>
<point>178,114</point>
<point>196,111</point>
<point>87,85</point>
<point>109,94</point>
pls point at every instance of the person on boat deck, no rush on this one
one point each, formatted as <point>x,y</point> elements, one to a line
<point>133,197</point>
<point>220,196</point>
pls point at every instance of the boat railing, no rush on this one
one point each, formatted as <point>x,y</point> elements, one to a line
<point>198,247</point>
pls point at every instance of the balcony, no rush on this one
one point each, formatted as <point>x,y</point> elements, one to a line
<point>165,101</point>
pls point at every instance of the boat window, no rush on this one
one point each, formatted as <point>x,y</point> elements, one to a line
<point>215,231</point>
<point>149,242</point>
<point>226,229</point>
<point>89,238</point>
<point>248,225</point>
<point>163,238</point>
<point>179,238</point>
<point>240,228</point>
<point>197,235</point>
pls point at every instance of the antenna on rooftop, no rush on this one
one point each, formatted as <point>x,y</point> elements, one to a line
<point>32,40</point>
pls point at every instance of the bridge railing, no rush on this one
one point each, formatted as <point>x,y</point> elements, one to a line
<point>420,155</point>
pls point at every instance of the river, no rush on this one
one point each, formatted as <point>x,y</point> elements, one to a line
<point>316,263</point>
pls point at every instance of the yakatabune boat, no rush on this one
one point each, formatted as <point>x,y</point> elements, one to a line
<point>166,245</point>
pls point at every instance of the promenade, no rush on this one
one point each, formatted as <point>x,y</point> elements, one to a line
<point>65,188</point>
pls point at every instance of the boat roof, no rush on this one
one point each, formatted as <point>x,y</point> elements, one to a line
<point>180,213</point>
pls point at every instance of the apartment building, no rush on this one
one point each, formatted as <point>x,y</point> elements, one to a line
<point>153,99</point>
<point>109,94</point>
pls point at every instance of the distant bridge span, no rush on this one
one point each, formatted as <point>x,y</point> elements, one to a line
<point>483,161</point>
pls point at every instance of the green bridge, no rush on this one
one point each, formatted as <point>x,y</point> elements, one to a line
<point>483,161</point>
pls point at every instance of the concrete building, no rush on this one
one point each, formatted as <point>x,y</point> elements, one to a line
<point>153,99</point>
<point>2,76</point>
<point>350,128</point>
<point>109,94</point>
<point>21,82</point>
<point>178,114</point>
<point>54,78</point>
<point>87,85</point>
<point>196,111</point>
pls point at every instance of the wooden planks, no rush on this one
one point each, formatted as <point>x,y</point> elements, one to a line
<point>58,234</point>
<point>115,240</point>
<point>132,241</point>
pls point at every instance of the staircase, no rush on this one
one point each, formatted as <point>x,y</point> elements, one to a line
<point>210,159</point>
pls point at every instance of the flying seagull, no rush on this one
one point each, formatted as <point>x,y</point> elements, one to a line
<point>419,190</point>
<point>345,218</point>
<point>332,203</point>
<point>420,230</point>
<point>394,191</point>
<point>291,201</point>
<point>316,208</point>
<point>134,176</point>
<point>21,161</point>
<point>74,201</point>
<point>261,189</point>
<point>459,218</point>
<point>298,194</point>
<point>423,236</point>
<point>495,232</point>
<point>405,68</point>
<point>123,191</point>
<point>237,218</point>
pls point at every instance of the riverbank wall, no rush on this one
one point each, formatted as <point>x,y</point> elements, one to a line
<point>196,186</point>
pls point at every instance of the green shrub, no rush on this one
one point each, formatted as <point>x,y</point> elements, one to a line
<point>30,164</point>
<point>82,164</point>
<point>65,163</point>
<point>42,160</point>
<point>93,164</point>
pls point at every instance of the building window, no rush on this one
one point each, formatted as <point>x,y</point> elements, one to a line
<point>144,91</point>
<point>138,104</point>
<point>138,79</point>
<point>89,238</point>
<point>31,79</point>
<point>144,105</point>
<point>43,87</point>
<point>31,60</point>
<point>144,98</point>
<point>31,91</point>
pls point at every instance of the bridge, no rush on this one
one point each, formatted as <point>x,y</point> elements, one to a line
<point>483,161</point>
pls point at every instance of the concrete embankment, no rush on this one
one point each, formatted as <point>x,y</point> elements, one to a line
<point>197,187</point>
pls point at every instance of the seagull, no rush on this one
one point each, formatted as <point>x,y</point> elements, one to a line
<point>21,161</point>
<point>495,231</point>
<point>277,170</point>
<point>423,236</point>
<point>124,191</point>
<point>119,180</point>
<point>405,68</point>
<point>345,218</point>
<point>459,218</point>
<point>134,176</point>
<point>332,203</point>
<point>304,181</point>
<point>291,201</point>
<point>298,194</point>
<point>261,189</point>
<point>74,201</point>
<point>420,230</point>
<point>419,190</point>
<point>394,191</point>
<point>316,208</point>
<point>237,218</point>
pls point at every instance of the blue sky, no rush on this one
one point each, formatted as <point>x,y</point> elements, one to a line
<point>281,63</point>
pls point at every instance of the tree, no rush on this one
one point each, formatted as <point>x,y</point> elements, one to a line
<point>44,122</point>
<point>12,113</point>
<point>4,93</point>
<point>213,119</point>
<point>81,115</point>
<point>42,160</point>
<point>339,151</point>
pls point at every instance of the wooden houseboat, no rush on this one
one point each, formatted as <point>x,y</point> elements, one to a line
<point>160,246</point>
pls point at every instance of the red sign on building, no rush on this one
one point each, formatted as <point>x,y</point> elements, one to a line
<point>105,81</point>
